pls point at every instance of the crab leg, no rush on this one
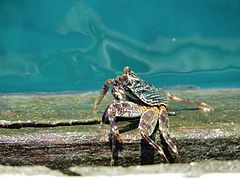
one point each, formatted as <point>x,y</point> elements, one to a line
<point>109,117</point>
<point>125,109</point>
<point>202,105</point>
<point>146,127</point>
<point>163,128</point>
<point>114,142</point>
<point>119,109</point>
<point>114,136</point>
<point>102,94</point>
<point>117,91</point>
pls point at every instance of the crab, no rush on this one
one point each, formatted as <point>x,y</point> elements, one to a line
<point>136,98</point>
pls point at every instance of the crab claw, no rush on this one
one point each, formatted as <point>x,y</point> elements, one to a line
<point>205,107</point>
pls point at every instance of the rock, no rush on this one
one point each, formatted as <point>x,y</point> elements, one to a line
<point>28,171</point>
<point>198,135</point>
<point>194,169</point>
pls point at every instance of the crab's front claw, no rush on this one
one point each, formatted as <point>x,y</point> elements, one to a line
<point>206,108</point>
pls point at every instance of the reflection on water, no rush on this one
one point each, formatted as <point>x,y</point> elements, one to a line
<point>102,52</point>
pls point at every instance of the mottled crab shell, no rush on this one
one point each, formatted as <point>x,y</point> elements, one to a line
<point>145,92</point>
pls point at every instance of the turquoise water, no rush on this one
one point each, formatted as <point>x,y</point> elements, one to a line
<point>70,45</point>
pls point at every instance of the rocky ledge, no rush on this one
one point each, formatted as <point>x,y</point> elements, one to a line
<point>59,131</point>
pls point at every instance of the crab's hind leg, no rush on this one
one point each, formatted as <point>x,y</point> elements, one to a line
<point>102,94</point>
<point>163,128</point>
<point>147,124</point>
<point>123,109</point>
<point>205,107</point>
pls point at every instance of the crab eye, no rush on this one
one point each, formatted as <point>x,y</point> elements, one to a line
<point>126,70</point>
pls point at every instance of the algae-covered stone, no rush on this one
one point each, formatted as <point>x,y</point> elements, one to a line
<point>59,130</point>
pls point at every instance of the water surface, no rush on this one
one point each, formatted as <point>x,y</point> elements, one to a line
<point>75,45</point>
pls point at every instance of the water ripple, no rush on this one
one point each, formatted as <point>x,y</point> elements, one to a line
<point>192,59</point>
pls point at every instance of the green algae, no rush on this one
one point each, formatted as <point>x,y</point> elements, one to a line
<point>45,107</point>
<point>79,106</point>
<point>224,118</point>
<point>68,108</point>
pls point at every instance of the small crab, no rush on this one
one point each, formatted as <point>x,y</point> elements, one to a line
<point>136,98</point>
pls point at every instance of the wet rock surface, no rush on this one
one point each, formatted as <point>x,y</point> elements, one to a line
<point>59,131</point>
<point>194,169</point>
<point>28,170</point>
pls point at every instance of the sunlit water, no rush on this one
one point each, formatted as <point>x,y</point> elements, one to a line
<point>74,45</point>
